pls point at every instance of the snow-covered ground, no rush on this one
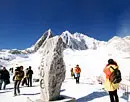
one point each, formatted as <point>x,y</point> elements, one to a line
<point>87,91</point>
<point>91,62</point>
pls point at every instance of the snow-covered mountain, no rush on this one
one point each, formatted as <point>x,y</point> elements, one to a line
<point>120,44</point>
<point>76,41</point>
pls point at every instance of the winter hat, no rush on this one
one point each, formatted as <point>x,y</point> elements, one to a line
<point>77,65</point>
<point>111,61</point>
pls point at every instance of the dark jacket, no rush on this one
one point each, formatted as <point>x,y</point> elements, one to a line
<point>29,73</point>
<point>5,75</point>
<point>0,74</point>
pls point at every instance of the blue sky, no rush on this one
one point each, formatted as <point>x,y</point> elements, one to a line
<point>22,22</point>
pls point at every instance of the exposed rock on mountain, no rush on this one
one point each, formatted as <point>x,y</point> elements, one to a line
<point>79,41</point>
<point>48,34</point>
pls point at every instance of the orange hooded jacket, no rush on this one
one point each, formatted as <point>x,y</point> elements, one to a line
<point>77,70</point>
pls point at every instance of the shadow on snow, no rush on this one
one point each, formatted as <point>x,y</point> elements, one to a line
<point>92,96</point>
<point>30,94</point>
<point>125,95</point>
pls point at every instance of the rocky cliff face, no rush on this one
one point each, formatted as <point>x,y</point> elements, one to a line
<point>48,34</point>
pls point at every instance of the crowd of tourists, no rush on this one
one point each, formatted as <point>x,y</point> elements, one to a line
<point>21,77</point>
<point>24,77</point>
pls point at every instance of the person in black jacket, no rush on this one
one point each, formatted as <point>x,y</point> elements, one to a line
<point>4,77</point>
<point>1,80</point>
<point>29,76</point>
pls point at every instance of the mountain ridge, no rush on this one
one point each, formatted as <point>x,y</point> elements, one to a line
<point>75,41</point>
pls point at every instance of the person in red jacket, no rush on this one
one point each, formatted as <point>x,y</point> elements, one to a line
<point>77,72</point>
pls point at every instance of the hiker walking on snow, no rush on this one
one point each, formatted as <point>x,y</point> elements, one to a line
<point>77,72</point>
<point>29,76</point>
<point>24,81</point>
<point>110,86</point>
<point>18,76</point>
<point>72,72</point>
<point>4,78</point>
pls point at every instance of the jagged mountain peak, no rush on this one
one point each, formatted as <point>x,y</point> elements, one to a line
<point>79,41</point>
<point>49,30</point>
<point>48,34</point>
<point>67,33</point>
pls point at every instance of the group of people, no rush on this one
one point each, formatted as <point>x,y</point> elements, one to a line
<point>109,86</point>
<point>21,76</point>
<point>25,77</point>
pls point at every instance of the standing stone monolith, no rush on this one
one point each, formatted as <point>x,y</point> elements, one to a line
<point>52,69</point>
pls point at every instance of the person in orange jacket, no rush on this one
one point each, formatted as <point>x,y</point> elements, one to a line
<point>77,72</point>
<point>109,86</point>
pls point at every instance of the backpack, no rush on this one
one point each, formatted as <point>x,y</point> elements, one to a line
<point>115,76</point>
<point>21,74</point>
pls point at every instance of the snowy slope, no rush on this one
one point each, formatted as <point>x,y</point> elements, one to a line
<point>92,64</point>
<point>120,44</point>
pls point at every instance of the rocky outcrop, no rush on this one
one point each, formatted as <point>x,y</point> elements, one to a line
<point>52,69</point>
<point>48,34</point>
